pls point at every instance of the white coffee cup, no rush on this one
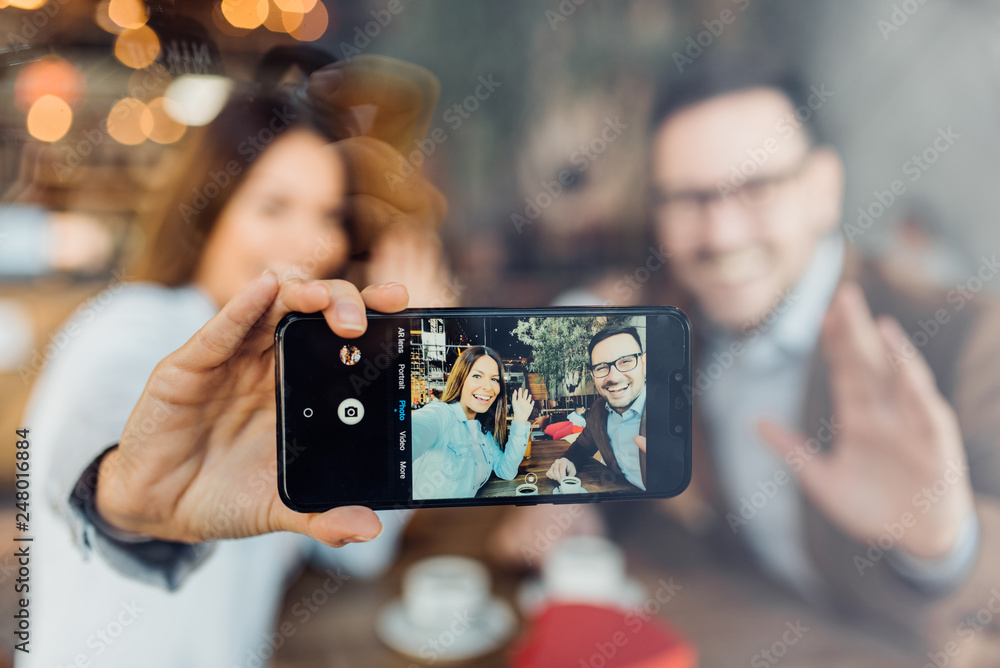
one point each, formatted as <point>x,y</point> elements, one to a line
<point>571,485</point>
<point>439,589</point>
<point>526,489</point>
<point>585,568</point>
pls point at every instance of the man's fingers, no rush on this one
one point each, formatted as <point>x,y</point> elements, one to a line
<point>219,339</point>
<point>786,444</point>
<point>920,400</point>
<point>641,442</point>
<point>853,348</point>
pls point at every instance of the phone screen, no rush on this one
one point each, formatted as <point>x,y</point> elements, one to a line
<point>456,407</point>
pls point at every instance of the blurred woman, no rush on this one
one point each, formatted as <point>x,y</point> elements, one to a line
<point>260,188</point>
<point>456,441</point>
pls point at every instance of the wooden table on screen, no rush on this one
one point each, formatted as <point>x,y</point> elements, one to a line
<point>594,476</point>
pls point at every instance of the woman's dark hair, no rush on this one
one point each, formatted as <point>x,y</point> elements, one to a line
<point>495,419</point>
<point>209,168</point>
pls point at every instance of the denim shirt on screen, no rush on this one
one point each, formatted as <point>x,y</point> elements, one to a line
<point>453,457</point>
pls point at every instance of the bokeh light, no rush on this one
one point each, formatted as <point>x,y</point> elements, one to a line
<point>125,121</point>
<point>50,75</point>
<point>313,25</point>
<point>195,99</point>
<point>27,4</point>
<point>247,14</point>
<point>295,6</point>
<point>137,47</point>
<point>158,125</point>
<point>49,118</point>
<point>128,13</point>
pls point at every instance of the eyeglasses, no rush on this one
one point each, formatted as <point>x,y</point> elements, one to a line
<point>624,363</point>
<point>755,193</point>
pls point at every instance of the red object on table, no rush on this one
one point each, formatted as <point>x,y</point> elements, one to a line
<point>572,635</point>
<point>560,430</point>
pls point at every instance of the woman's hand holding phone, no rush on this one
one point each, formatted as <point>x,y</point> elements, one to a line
<point>196,460</point>
<point>522,404</point>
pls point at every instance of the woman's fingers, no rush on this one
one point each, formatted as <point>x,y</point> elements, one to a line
<point>386,297</point>
<point>337,527</point>
<point>219,339</point>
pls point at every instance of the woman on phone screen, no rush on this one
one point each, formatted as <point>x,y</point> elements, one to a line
<point>456,441</point>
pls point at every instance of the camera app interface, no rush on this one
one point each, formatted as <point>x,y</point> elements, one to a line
<point>519,406</point>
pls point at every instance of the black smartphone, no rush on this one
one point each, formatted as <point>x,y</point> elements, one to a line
<point>465,407</point>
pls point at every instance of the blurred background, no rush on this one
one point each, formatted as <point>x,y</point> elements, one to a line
<point>96,94</point>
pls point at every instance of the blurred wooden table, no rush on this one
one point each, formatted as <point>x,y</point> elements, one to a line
<point>730,616</point>
<point>594,476</point>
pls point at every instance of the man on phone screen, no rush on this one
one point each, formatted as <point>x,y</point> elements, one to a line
<point>618,367</point>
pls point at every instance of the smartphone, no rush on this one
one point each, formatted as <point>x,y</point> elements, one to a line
<point>466,407</point>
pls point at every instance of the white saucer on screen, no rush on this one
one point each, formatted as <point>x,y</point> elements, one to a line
<point>491,631</point>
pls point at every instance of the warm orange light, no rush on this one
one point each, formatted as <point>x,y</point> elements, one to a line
<point>275,21</point>
<point>247,14</point>
<point>224,26</point>
<point>291,21</point>
<point>295,6</point>
<point>51,75</point>
<point>313,24</point>
<point>104,21</point>
<point>125,121</point>
<point>49,118</point>
<point>27,4</point>
<point>156,124</point>
<point>128,13</point>
<point>137,47</point>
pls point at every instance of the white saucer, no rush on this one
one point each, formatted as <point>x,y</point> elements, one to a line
<point>583,490</point>
<point>532,595</point>
<point>495,625</point>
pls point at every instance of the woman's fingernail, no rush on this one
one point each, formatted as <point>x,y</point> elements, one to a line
<point>349,314</point>
<point>390,284</point>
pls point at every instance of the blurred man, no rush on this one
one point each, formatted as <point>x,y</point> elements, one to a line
<point>837,446</point>
<point>618,366</point>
